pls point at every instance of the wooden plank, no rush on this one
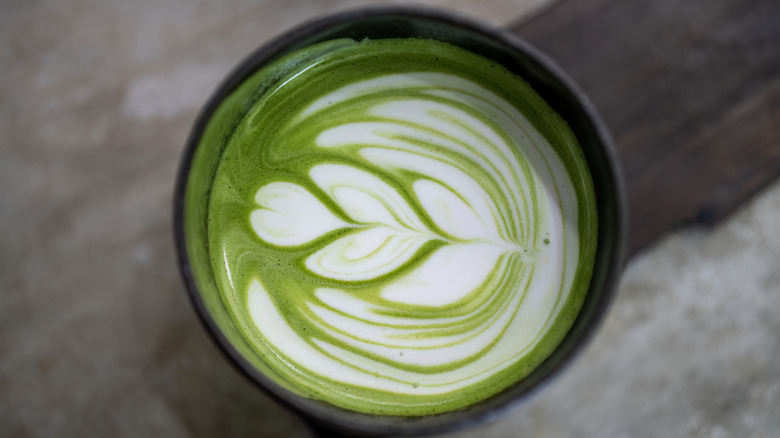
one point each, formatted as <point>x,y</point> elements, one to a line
<point>691,92</point>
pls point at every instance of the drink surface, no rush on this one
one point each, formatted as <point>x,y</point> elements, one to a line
<point>399,227</point>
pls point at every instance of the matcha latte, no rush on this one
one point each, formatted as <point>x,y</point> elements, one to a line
<point>398,226</point>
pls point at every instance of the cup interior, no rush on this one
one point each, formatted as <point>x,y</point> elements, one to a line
<point>200,161</point>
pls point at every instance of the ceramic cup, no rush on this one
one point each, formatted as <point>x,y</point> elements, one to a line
<point>199,164</point>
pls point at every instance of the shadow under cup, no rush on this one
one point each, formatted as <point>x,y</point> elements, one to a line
<point>199,165</point>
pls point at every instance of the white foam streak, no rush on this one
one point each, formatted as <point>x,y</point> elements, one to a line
<point>458,180</point>
<point>378,85</point>
<point>447,276</point>
<point>285,215</point>
<point>452,214</point>
<point>365,198</point>
<point>342,364</point>
<point>365,254</point>
<point>292,348</point>
<point>376,315</point>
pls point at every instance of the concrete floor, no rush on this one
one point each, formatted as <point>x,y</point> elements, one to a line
<point>98,339</point>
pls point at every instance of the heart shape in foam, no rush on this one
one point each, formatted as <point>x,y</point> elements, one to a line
<point>291,215</point>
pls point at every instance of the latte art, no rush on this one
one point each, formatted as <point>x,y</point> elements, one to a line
<point>404,237</point>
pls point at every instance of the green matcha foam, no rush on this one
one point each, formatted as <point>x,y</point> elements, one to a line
<point>399,227</point>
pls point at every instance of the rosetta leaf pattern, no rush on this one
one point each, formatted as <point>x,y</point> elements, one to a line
<point>383,231</point>
<point>411,242</point>
<point>433,186</point>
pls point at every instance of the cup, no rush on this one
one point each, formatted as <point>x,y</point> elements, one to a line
<point>199,162</point>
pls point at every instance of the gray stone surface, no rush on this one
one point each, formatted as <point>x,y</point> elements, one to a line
<point>98,339</point>
<point>691,347</point>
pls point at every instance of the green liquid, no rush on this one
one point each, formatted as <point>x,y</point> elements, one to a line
<point>398,227</point>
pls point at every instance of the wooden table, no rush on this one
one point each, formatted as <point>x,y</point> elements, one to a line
<point>691,92</point>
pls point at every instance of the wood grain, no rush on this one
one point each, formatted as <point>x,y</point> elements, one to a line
<point>691,92</point>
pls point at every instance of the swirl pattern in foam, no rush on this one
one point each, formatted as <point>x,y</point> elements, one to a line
<point>400,226</point>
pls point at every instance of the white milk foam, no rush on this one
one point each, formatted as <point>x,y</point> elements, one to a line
<point>485,221</point>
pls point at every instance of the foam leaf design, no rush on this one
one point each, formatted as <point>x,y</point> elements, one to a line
<point>424,246</point>
<point>386,232</point>
<point>444,175</point>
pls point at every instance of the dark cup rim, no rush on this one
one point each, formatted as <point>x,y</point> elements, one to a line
<point>336,419</point>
